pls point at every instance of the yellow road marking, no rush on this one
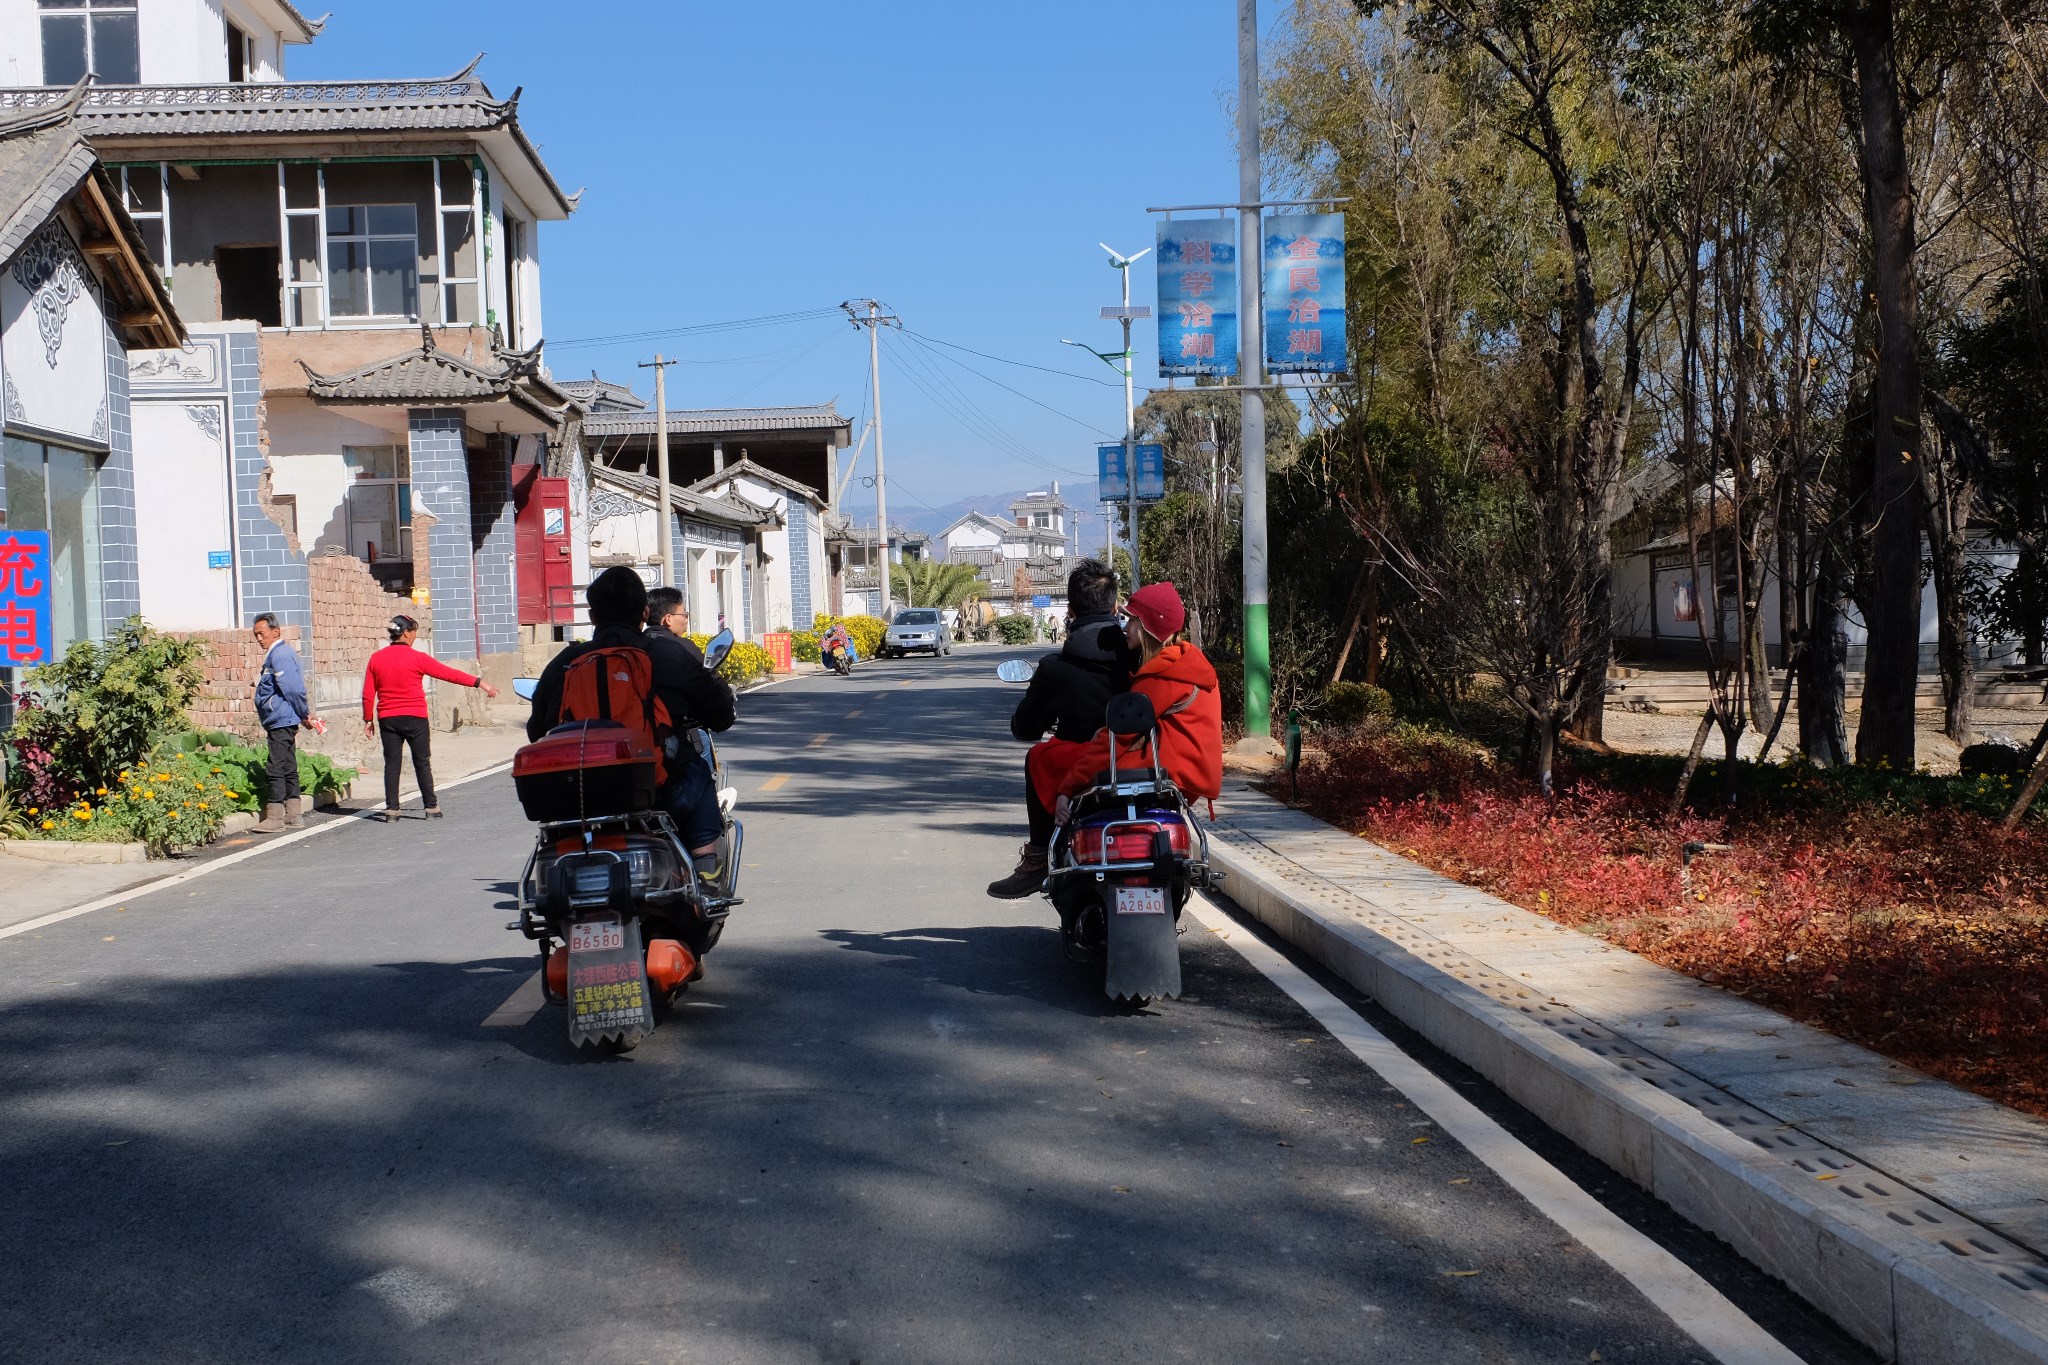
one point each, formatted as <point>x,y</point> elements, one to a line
<point>906,682</point>
<point>818,743</point>
<point>519,1006</point>
<point>775,783</point>
<point>851,714</point>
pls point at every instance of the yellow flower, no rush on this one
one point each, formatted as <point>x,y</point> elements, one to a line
<point>49,824</point>
<point>202,805</point>
<point>149,796</point>
<point>34,811</point>
<point>163,777</point>
<point>99,791</point>
<point>232,796</point>
<point>216,771</point>
<point>83,814</point>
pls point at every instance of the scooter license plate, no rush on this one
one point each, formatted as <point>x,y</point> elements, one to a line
<point>596,936</point>
<point>1141,900</point>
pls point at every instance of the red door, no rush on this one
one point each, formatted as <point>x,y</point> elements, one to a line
<point>547,589</point>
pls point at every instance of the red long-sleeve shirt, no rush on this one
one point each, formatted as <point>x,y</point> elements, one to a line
<point>391,681</point>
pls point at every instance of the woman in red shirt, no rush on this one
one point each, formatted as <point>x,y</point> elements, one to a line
<point>395,704</point>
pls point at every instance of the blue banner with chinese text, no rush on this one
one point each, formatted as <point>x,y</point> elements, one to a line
<point>25,612</point>
<point>1198,297</point>
<point>1304,293</point>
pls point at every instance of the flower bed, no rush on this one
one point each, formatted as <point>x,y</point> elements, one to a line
<point>1888,908</point>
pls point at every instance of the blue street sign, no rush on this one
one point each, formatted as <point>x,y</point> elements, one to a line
<point>25,608</point>
<point>220,559</point>
<point>1111,484</point>
<point>1197,274</point>
<point>1304,293</point>
<point>1042,600</point>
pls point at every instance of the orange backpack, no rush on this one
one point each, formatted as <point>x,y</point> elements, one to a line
<point>617,683</point>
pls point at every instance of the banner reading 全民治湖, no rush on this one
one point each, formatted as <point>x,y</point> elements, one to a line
<point>1197,297</point>
<point>1304,293</point>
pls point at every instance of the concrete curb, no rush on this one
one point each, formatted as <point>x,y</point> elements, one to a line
<point>67,851</point>
<point>1971,1296</point>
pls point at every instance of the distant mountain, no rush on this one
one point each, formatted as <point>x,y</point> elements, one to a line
<point>915,516</point>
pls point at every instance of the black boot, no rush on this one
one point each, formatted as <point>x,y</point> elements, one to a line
<point>1027,880</point>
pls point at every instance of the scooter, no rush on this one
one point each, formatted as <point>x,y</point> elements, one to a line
<point>622,917</point>
<point>841,660</point>
<point>1122,867</point>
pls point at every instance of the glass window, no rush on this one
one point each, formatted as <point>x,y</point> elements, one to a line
<point>54,489</point>
<point>90,35</point>
<point>373,255</point>
<point>379,503</point>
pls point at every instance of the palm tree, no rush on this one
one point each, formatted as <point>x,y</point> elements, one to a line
<point>932,583</point>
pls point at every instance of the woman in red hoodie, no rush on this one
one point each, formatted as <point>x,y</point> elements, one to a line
<point>395,703</point>
<point>1182,685</point>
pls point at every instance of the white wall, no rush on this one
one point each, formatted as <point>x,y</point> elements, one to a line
<point>61,389</point>
<point>183,502</point>
<point>973,536</point>
<point>183,42</point>
<point>306,463</point>
<point>527,310</point>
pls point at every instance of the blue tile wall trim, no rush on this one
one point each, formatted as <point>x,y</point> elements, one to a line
<point>491,541</point>
<point>799,560</point>
<point>440,485</point>
<point>270,575</point>
<point>120,581</point>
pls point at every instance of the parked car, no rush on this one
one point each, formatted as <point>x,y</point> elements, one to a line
<point>917,629</point>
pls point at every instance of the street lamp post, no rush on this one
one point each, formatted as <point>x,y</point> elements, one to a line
<point>1122,361</point>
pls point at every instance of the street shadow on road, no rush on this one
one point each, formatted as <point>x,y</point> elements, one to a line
<point>817,1160</point>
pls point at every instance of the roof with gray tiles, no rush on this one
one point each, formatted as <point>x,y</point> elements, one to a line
<point>602,395</point>
<point>747,469</point>
<point>717,421</point>
<point>43,159</point>
<point>428,375</point>
<point>730,510</point>
<point>458,103</point>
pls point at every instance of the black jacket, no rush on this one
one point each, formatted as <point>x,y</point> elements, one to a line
<point>693,694</point>
<point>1070,689</point>
<point>679,677</point>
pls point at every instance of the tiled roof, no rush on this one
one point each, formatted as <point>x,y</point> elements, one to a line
<point>730,510</point>
<point>602,394</point>
<point>46,161</point>
<point>747,469</point>
<point>427,374</point>
<point>458,103</point>
<point>716,421</point>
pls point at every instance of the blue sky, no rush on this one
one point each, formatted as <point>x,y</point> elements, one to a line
<point>958,161</point>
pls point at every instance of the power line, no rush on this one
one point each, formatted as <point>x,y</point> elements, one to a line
<point>956,346</point>
<point>1079,422</point>
<point>919,370</point>
<point>700,329</point>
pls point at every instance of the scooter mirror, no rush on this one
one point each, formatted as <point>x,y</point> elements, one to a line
<point>1016,670</point>
<point>716,648</point>
<point>523,688</point>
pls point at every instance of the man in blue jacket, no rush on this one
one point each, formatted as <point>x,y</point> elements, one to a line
<point>281,708</point>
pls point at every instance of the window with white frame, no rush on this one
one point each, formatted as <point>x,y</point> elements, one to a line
<point>373,260</point>
<point>90,35</point>
<point>379,503</point>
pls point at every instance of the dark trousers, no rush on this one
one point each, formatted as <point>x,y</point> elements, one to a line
<point>397,732</point>
<point>1039,817</point>
<point>283,767</point>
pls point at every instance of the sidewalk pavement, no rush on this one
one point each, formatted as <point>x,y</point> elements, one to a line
<point>1871,1189</point>
<point>29,889</point>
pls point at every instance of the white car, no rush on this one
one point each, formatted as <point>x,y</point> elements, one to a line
<point>917,630</point>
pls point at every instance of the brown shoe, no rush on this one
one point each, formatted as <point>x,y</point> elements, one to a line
<point>294,813</point>
<point>272,821</point>
<point>1027,879</point>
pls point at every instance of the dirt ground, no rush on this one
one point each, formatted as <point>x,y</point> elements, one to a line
<point>1671,732</point>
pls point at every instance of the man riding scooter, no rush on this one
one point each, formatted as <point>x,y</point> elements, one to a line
<point>1067,695</point>
<point>837,651</point>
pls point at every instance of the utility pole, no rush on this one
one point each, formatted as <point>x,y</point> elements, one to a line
<point>874,320</point>
<point>1251,372</point>
<point>666,535</point>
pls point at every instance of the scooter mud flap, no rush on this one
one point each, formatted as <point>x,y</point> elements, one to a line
<point>1144,950</point>
<point>607,980</point>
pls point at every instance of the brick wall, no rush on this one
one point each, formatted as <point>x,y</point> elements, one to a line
<point>273,572</point>
<point>350,612</point>
<point>491,541</point>
<point>226,699</point>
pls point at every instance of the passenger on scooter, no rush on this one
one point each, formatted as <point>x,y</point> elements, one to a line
<point>1181,684</point>
<point>618,605</point>
<point>1067,696</point>
<point>696,698</point>
<point>838,640</point>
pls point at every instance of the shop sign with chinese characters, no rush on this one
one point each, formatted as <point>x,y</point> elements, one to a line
<point>1304,293</point>
<point>1198,297</point>
<point>25,614</point>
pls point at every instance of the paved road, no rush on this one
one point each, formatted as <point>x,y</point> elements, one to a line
<point>260,1116</point>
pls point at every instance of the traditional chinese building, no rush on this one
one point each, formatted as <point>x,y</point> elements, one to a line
<point>357,263</point>
<point>77,293</point>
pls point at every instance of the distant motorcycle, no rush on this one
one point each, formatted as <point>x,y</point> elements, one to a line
<point>840,659</point>
<point>609,893</point>
<point>1120,871</point>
